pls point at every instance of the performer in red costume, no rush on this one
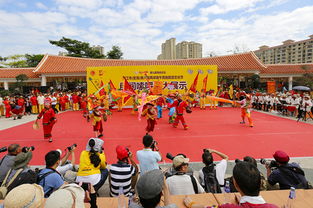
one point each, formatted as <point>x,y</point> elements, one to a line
<point>150,114</point>
<point>7,106</point>
<point>83,104</point>
<point>48,120</point>
<point>180,106</point>
<point>96,116</point>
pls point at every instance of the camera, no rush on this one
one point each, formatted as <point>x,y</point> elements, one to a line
<point>171,157</point>
<point>70,148</point>
<point>270,163</point>
<point>27,149</point>
<point>3,149</point>
<point>154,143</point>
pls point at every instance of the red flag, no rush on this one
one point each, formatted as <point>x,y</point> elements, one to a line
<point>102,91</point>
<point>111,85</point>
<point>128,88</point>
<point>204,83</point>
<point>193,87</point>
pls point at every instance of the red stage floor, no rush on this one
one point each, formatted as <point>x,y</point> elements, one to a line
<point>216,129</point>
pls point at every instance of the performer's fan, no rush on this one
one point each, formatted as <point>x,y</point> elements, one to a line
<point>36,126</point>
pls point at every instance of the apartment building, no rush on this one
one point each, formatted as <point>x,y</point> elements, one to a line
<point>183,50</point>
<point>290,52</point>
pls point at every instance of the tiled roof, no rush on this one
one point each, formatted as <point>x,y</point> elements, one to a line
<point>13,72</point>
<point>65,64</point>
<point>288,69</point>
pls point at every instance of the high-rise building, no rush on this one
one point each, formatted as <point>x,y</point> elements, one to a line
<point>290,52</point>
<point>99,48</point>
<point>63,53</point>
<point>168,49</point>
<point>183,50</point>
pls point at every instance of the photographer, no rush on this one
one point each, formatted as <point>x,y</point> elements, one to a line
<point>150,156</point>
<point>285,174</point>
<point>122,174</point>
<point>20,173</point>
<point>66,165</point>
<point>7,161</point>
<point>211,173</point>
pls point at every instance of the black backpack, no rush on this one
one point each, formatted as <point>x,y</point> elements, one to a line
<point>211,184</point>
<point>26,177</point>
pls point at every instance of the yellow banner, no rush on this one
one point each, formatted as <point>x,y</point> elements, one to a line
<point>173,77</point>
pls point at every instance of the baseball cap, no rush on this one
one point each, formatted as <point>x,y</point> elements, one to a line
<point>281,156</point>
<point>179,160</point>
<point>121,152</point>
<point>150,184</point>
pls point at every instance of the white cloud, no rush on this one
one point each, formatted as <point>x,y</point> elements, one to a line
<point>224,6</point>
<point>40,5</point>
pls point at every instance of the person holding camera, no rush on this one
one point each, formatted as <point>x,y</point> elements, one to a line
<point>49,178</point>
<point>284,173</point>
<point>150,156</point>
<point>92,166</point>
<point>7,161</point>
<point>122,174</point>
<point>182,183</point>
<point>212,175</point>
<point>66,165</point>
<point>20,173</point>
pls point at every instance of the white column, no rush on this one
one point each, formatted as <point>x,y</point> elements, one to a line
<point>290,82</point>
<point>43,80</point>
<point>6,85</point>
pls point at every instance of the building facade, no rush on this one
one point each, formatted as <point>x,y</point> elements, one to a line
<point>183,50</point>
<point>186,50</point>
<point>290,52</point>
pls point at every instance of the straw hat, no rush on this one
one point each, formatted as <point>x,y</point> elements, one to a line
<point>25,195</point>
<point>67,196</point>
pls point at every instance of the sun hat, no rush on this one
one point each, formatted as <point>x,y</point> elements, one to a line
<point>22,159</point>
<point>25,195</point>
<point>150,184</point>
<point>179,160</point>
<point>66,196</point>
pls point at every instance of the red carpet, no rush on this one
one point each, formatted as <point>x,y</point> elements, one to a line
<point>216,129</point>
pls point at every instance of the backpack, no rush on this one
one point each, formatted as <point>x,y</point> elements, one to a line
<point>211,184</point>
<point>42,177</point>
<point>5,185</point>
<point>295,179</point>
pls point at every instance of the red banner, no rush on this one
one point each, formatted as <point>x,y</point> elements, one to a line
<point>271,86</point>
<point>193,87</point>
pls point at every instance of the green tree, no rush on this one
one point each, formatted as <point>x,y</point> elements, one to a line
<point>306,79</point>
<point>33,60</point>
<point>20,80</point>
<point>77,48</point>
<point>115,53</point>
<point>14,61</point>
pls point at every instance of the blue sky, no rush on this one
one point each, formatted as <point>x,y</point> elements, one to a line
<point>140,26</point>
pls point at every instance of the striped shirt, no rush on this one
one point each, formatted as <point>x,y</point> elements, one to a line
<point>120,176</point>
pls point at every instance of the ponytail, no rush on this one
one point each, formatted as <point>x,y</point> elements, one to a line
<point>93,156</point>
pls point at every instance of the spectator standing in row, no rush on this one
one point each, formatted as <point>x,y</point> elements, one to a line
<point>40,100</point>
<point>122,174</point>
<point>212,176</point>
<point>7,161</point>
<point>182,183</point>
<point>150,156</point>
<point>49,178</point>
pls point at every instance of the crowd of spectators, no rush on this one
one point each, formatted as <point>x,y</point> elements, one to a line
<point>51,183</point>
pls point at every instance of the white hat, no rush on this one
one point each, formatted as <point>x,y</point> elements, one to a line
<point>67,196</point>
<point>25,195</point>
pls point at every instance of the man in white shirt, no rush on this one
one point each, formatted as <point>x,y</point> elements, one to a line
<point>182,183</point>
<point>150,156</point>
<point>40,100</point>
<point>219,168</point>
